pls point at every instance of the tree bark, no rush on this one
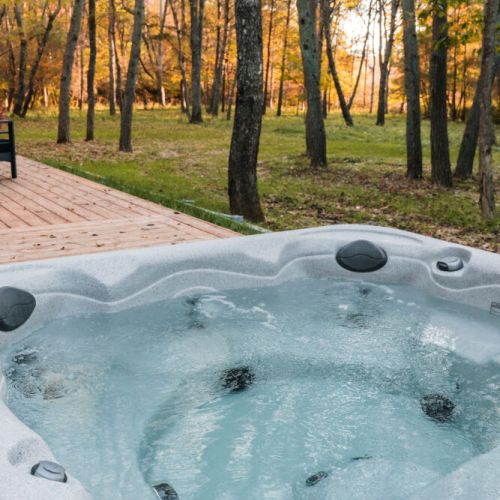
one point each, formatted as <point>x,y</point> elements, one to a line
<point>63,132</point>
<point>384,66</point>
<point>160,90</point>
<point>111,58</point>
<point>440,152</point>
<point>179,28</point>
<point>215,95</point>
<point>91,71</point>
<point>118,65</point>
<point>36,63</point>
<point>82,78</point>
<point>315,127</point>
<point>362,59</point>
<point>11,91</point>
<point>242,174</point>
<point>326,16</point>
<point>454,113</point>
<point>133,66</point>
<point>283,58</point>
<point>468,146</point>
<point>412,92</point>
<point>486,133</point>
<point>23,55</point>
<point>374,60</point>
<point>196,9</point>
<point>268,59</point>
<point>231,99</point>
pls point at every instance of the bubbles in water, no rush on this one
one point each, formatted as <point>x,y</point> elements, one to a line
<point>307,390</point>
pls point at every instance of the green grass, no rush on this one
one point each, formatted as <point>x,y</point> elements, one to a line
<point>364,183</point>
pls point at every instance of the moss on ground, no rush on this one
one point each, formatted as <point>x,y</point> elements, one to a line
<point>364,182</point>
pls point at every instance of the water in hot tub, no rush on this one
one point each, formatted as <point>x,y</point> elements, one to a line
<point>307,390</point>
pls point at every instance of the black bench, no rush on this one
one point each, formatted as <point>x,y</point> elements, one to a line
<point>8,145</point>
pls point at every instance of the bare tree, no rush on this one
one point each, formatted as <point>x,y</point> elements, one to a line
<point>23,55</point>
<point>440,151</point>
<point>11,91</point>
<point>111,58</point>
<point>486,134</point>
<point>179,31</point>
<point>196,9</point>
<point>230,99</point>
<point>412,92</point>
<point>36,63</point>
<point>63,132</point>
<point>283,58</point>
<point>384,62</point>
<point>268,58</point>
<point>91,71</point>
<point>315,127</point>
<point>326,15</point>
<point>242,174</point>
<point>133,66</point>
<point>363,56</point>
<point>215,94</point>
<point>468,146</point>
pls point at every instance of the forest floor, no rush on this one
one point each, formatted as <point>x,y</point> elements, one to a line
<point>364,182</point>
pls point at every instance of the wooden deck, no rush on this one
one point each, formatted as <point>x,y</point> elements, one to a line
<point>47,213</point>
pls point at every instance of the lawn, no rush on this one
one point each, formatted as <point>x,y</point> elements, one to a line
<point>364,182</point>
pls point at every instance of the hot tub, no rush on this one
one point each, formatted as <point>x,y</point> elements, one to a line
<point>340,362</point>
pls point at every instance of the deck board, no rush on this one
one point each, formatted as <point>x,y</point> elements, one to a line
<point>47,213</point>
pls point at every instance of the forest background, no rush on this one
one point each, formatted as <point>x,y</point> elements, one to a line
<point>185,94</point>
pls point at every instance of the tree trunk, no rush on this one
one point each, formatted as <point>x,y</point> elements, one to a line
<point>440,153</point>
<point>468,146</point>
<point>133,66</point>
<point>160,90</point>
<point>119,83</point>
<point>242,174</point>
<point>11,91</point>
<point>486,133</point>
<point>362,59</point>
<point>326,16</point>
<point>36,63</point>
<point>111,59</point>
<point>63,131</point>
<point>454,114</point>
<point>283,58</point>
<point>215,95</point>
<point>384,66</point>
<point>315,127</point>
<point>23,55</point>
<point>372,83</point>
<point>91,71</point>
<point>196,9</point>
<point>82,78</point>
<point>268,60</point>
<point>180,59</point>
<point>463,91</point>
<point>336,81</point>
<point>231,99</point>
<point>412,92</point>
